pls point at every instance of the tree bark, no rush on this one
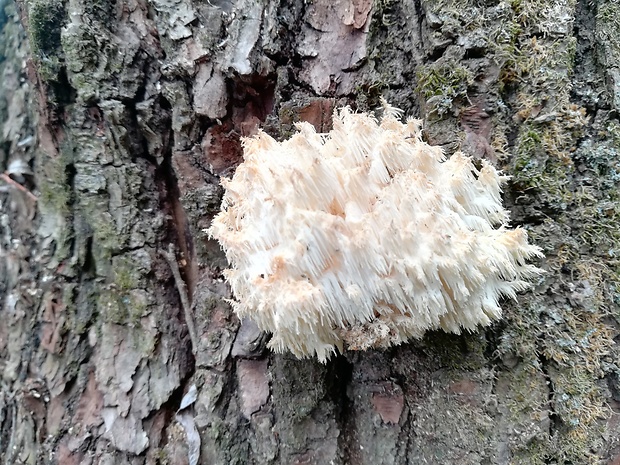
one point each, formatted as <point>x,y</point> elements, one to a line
<point>118,118</point>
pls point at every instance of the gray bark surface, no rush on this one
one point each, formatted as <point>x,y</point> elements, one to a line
<point>117,120</point>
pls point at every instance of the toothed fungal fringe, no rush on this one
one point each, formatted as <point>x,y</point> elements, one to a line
<point>366,237</point>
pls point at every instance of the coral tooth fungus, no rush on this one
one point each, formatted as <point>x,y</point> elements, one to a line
<point>366,237</point>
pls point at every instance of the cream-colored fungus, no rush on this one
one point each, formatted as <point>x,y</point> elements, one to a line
<point>366,237</point>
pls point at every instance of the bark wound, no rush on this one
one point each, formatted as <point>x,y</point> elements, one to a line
<point>221,148</point>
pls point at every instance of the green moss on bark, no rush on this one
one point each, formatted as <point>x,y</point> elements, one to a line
<point>45,20</point>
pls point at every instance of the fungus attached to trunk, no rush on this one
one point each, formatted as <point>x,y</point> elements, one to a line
<point>366,237</point>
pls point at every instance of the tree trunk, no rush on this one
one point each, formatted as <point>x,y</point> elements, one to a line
<point>118,118</point>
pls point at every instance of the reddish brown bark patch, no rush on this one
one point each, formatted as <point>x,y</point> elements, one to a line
<point>318,113</point>
<point>253,385</point>
<point>389,402</point>
<point>328,68</point>
<point>52,324</point>
<point>56,410</point>
<point>65,456</point>
<point>477,126</point>
<point>360,11</point>
<point>221,147</point>
<point>88,412</point>
<point>468,391</point>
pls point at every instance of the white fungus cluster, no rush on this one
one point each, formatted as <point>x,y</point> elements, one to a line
<point>366,236</point>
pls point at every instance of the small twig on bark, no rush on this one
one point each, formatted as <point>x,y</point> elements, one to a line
<point>13,183</point>
<point>170,257</point>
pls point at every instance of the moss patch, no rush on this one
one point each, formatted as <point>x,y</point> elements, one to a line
<point>440,83</point>
<point>46,18</point>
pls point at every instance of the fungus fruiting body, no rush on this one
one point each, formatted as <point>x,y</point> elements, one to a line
<point>366,237</point>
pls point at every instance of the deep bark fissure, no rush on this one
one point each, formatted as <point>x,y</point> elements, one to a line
<point>343,373</point>
<point>555,420</point>
<point>179,234</point>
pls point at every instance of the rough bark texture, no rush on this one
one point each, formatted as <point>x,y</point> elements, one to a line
<point>120,117</point>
